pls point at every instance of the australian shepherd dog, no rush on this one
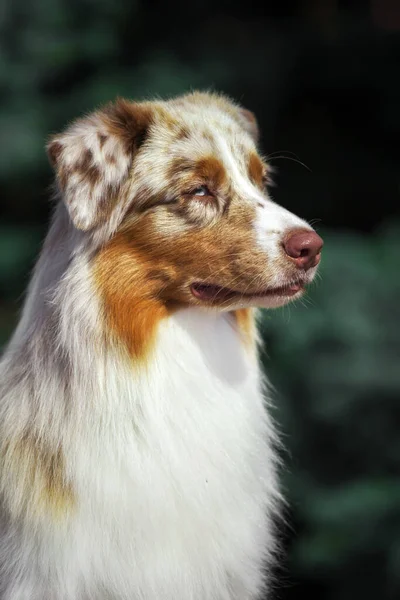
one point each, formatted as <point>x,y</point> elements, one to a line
<point>137,454</point>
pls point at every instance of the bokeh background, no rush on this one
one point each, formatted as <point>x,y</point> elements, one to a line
<point>323,77</point>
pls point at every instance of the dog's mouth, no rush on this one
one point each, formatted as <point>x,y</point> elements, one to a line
<point>215,293</point>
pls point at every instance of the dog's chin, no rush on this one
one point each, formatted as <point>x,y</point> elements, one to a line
<point>228,299</point>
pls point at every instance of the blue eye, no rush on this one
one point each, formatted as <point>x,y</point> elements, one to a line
<point>202,190</point>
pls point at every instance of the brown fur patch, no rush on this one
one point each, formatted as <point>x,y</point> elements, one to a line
<point>256,169</point>
<point>86,169</point>
<point>182,133</point>
<point>186,174</point>
<point>54,151</point>
<point>128,122</point>
<point>127,285</point>
<point>35,478</point>
<point>246,326</point>
<point>211,170</point>
<point>102,139</point>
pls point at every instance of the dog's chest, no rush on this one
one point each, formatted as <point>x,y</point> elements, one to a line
<point>179,465</point>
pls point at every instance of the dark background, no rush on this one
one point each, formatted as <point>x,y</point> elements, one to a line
<point>323,78</point>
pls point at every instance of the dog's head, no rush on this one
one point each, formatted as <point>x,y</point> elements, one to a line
<point>178,189</point>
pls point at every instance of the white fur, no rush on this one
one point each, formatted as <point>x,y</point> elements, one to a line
<point>172,465</point>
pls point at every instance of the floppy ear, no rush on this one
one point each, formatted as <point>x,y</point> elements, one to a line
<point>93,157</point>
<point>249,122</point>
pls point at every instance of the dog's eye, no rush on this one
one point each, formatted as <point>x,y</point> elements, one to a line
<point>201,191</point>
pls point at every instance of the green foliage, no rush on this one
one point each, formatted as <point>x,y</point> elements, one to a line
<point>61,45</point>
<point>334,361</point>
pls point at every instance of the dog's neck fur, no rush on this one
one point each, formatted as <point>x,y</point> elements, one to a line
<point>60,329</point>
<point>196,406</point>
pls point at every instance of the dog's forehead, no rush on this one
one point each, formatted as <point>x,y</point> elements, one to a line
<point>196,131</point>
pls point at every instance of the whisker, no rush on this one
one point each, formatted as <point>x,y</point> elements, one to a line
<point>312,222</point>
<point>277,155</point>
<point>294,160</point>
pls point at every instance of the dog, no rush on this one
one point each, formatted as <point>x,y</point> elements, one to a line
<point>137,454</point>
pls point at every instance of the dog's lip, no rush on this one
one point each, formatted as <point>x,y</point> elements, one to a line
<point>213,292</point>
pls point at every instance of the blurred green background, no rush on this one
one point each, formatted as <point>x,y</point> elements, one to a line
<point>323,78</point>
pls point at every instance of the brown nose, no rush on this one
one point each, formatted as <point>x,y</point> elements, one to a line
<point>304,247</point>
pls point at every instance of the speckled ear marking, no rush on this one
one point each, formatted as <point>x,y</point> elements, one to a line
<point>93,158</point>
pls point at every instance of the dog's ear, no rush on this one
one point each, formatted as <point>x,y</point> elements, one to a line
<point>93,158</point>
<point>249,122</point>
